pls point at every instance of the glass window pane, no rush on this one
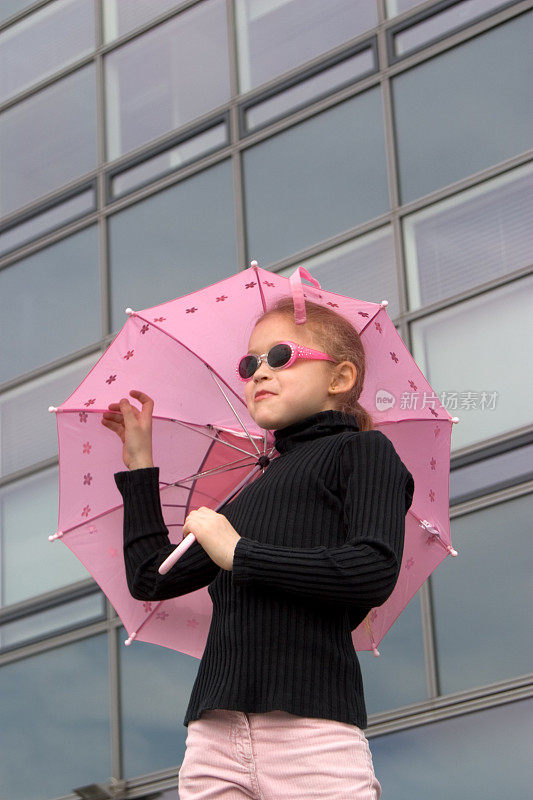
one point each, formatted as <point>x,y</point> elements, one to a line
<point>364,268</point>
<point>466,109</point>
<point>52,620</point>
<point>484,755</point>
<point>299,191</point>
<point>490,474</point>
<point>31,564</point>
<point>174,243</point>
<point>48,221</point>
<point>153,734</point>
<point>48,140</point>
<point>10,7</point>
<point>396,677</point>
<point>55,721</point>
<point>169,76</point>
<point>122,16</point>
<point>28,431</point>
<point>395,7</point>
<point>50,303</point>
<point>170,160</point>
<point>466,354</point>
<point>43,43</point>
<point>323,83</point>
<point>278,35</point>
<point>442,23</point>
<point>482,598</point>
<point>470,238</point>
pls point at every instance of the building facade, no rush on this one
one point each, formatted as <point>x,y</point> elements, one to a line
<point>151,147</point>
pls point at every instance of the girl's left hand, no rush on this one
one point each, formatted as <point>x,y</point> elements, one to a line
<point>215,533</point>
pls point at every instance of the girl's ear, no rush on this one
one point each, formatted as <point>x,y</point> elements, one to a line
<point>344,376</point>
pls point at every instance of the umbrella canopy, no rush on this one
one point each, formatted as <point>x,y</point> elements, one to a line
<point>183,353</point>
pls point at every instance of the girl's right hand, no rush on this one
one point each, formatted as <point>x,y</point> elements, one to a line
<point>134,428</point>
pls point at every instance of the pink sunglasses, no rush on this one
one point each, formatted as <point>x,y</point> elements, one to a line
<point>280,356</point>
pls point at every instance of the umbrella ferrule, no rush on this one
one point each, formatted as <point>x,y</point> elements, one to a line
<point>435,536</point>
<point>130,638</point>
<point>54,536</point>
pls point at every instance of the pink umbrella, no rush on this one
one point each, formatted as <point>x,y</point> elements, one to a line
<point>184,354</point>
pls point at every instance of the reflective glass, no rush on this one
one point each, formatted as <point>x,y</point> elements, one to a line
<point>442,23</point>
<point>47,221</point>
<point>474,355</point>
<point>323,83</point>
<point>466,109</point>
<point>50,304</point>
<point>364,268</point>
<point>299,191</point>
<point>10,7</point>
<point>43,43</point>
<point>278,35</point>
<point>396,677</point>
<point>484,755</point>
<point>31,564</point>
<point>395,7</point>
<point>122,16</point>
<point>153,734</point>
<point>170,160</point>
<point>54,734</point>
<point>169,76</point>
<point>52,620</point>
<point>48,140</point>
<point>470,238</point>
<point>483,597</point>
<point>173,243</point>
<point>504,469</point>
<point>28,431</point>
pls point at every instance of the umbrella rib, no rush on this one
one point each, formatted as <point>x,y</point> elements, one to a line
<point>230,405</point>
<point>214,471</point>
<point>215,438</point>
<point>115,508</point>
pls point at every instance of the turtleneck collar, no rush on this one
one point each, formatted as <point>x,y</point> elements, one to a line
<point>323,423</point>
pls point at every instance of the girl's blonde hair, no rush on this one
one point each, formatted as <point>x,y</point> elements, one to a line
<point>337,337</point>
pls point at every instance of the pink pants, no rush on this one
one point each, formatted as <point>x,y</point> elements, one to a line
<point>231,755</point>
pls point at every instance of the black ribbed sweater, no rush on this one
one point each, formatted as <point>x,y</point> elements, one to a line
<point>322,534</point>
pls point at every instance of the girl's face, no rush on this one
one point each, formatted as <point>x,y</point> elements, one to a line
<point>294,392</point>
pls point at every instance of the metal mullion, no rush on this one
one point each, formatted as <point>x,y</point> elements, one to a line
<point>452,40</point>
<point>452,705</point>
<point>234,133</point>
<point>103,260</point>
<point>426,609</point>
<point>51,643</point>
<point>114,704</point>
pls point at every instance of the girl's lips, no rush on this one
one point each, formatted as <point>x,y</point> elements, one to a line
<point>264,394</point>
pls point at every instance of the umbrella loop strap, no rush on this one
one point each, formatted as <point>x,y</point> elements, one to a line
<point>298,292</point>
<point>435,536</point>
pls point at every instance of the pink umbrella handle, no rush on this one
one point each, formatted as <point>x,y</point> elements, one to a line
<point>174,556</point>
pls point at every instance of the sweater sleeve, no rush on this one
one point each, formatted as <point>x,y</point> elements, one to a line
<point>147,544</point>
<point>363,571</point>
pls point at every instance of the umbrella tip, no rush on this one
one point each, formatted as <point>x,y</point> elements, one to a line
<point>54,536</point>
<point>130,639</point>
<point>253,263</point>
<point>129,311</point>
<point>52,408</point>
<point>375,651</point>
<point>455,419</point>
<point>384,303</point>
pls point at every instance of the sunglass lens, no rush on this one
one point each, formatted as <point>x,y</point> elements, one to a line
<point>247,366</point>
<point>279,355</point>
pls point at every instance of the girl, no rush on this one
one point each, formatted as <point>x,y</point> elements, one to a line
<point>294,563</point>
